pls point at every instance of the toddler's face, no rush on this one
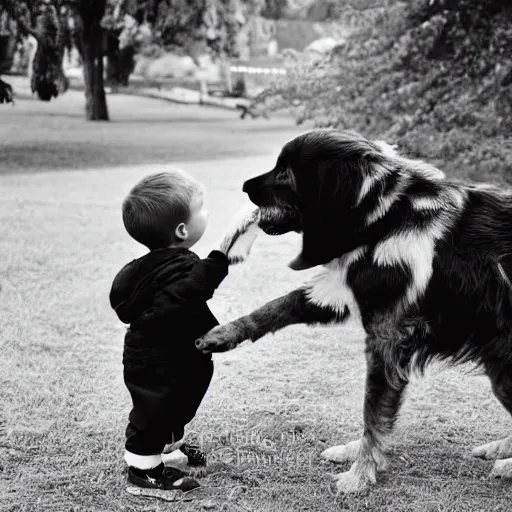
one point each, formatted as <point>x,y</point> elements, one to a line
<point>197,222</point>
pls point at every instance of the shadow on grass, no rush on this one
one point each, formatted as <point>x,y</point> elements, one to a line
<point>68,156</point>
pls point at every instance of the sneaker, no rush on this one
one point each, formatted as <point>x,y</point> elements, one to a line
<point>161,478</point>
<point>196,458</point>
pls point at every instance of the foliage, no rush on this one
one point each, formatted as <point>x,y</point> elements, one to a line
<point>275,9</point>
<point>130,26</point>
<point>427,70</point>
<point>13,7</point>
<point>124,37</point>
<point>48,79</point>
<point>182,26</point>
<point>177,23</point>
<point>48,23</point>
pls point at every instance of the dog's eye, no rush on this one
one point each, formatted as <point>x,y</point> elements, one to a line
<point>282,173</point>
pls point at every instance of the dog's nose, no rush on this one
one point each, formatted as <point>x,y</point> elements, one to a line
<point>252,184</point>
<point>253,194</point>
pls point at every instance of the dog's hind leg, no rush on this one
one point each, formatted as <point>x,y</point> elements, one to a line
<point>501,449</point>
<point>384,391</point>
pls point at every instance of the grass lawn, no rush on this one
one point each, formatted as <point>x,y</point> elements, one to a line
<point>273,406</point>
<point>39,136</point>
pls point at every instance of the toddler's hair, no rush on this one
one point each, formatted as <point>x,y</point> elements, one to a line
<point>157,204</point>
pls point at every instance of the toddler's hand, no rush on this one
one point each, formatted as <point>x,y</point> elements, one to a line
<point>239,238</point>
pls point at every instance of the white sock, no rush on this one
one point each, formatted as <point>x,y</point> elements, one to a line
<point>142,461</point>
<point>173,446</point>
<point>176,459</point>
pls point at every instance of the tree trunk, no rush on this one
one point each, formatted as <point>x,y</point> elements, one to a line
<point>91,43</point>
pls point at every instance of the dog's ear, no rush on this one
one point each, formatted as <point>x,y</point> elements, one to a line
<point>336,190</point>
<point>331,169</point>
<point>333,222</point>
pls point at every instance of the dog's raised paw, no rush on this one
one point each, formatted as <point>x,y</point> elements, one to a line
<point>240,236</point>
<point>220,339</point>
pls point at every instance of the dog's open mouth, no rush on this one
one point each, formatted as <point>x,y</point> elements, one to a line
<point>278,221</point>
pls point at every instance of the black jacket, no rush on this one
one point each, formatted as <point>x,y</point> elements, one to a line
<point>163,297</point>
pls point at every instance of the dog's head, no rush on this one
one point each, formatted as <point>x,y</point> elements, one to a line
<point>317,188</point>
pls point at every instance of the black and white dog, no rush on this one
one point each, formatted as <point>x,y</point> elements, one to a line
<point>425,263</point>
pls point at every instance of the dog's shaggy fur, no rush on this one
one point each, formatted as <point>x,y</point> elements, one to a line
<point>424,262</point>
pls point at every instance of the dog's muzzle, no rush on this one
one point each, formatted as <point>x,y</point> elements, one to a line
<point>277,215</point>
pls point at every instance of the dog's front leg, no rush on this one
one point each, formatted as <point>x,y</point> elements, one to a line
<point>384,390</point>
<point>293,308</point>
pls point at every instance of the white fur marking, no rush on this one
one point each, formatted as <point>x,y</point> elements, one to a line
<point>388,150</point>
<point>367,185</point>
<point>342,453</point>
<point>502,469</point>
<point>458,198</point>
<point>355,479</point>
<point>241,234</point>
<point>378,173</point>
<point>413,167</point>
<point>504,275</point>
<point>330,289</point>
<point>387,201</point>
<point>424,169</point>
<point>418,166</point>
<point>451,199</point>
<point>384,205</point>
<point>427,203</point>
<point>416,250</point>
<point>240,249</point>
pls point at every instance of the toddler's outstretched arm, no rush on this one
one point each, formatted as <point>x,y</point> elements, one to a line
<point>208,273</point>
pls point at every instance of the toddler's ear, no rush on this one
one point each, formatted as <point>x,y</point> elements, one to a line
<point>241,234</point>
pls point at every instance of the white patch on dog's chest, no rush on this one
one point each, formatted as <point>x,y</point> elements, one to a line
<point>416,250</point>
<point>330,289</point>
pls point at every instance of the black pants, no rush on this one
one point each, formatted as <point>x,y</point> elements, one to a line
<point>165,398</point>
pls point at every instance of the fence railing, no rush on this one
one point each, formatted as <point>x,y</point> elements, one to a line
<point>252,76</point>
<point>251,70</point>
